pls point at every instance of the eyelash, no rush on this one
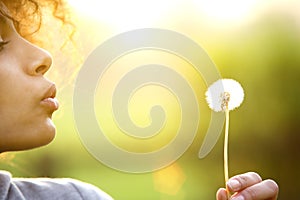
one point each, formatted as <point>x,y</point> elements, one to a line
<point>2,44</point>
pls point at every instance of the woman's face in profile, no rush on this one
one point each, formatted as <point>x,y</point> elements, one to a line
<point>27,98</point>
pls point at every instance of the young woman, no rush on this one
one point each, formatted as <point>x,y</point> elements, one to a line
<point>27,101</point>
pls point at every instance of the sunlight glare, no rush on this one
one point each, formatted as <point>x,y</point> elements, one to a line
<point>226,11</point>
<point>124,14</point>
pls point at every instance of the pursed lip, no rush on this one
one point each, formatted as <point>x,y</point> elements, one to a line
<point>49,99</point>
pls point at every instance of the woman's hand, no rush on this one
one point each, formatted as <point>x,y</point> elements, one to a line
<point>249,186</point>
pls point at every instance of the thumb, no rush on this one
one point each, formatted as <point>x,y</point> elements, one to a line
<point>221,194</point>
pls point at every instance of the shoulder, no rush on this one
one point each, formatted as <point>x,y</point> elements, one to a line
<point>86,190</point>
<point>47,188</point>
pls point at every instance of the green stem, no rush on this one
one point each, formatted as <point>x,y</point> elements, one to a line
<point>226,150</point>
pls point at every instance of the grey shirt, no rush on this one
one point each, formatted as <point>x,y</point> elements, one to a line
<point>47,189</point>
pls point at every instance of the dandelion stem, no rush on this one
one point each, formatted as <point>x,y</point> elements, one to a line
<point>226,150</point>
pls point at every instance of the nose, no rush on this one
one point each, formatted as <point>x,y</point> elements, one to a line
<point>38,60</point>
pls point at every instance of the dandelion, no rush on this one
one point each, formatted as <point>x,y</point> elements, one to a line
<point>222,96</point>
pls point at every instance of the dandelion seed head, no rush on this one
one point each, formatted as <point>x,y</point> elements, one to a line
<point>224,94</point>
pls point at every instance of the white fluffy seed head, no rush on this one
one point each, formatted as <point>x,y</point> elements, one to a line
<point>224,94</point>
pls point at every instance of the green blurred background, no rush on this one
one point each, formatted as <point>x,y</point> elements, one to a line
<point>256,43</point>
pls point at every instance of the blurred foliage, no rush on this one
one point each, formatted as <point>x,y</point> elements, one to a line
<point>264,56</point>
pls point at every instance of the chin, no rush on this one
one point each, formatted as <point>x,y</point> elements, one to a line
<point>34,137</point>
<point>28,136</point>
<point>45,134</point>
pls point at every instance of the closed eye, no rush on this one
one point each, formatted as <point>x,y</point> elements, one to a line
<point>2,44</point>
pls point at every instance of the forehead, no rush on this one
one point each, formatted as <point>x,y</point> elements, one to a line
<point>4,20</point>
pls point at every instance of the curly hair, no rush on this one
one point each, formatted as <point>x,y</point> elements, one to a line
<point>27,14</point>
<point>33,19</point>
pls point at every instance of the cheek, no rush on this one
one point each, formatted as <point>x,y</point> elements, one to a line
<point>13,108</point>
<point>16,96</point>
<point>23,123</point>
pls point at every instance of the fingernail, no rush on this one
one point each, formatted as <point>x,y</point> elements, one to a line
<point>234,185</point>
<point>238,198</point>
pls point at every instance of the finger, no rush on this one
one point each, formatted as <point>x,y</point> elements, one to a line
<point>242,181</point>
<point>265,190</point>
<point>222,194</point>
